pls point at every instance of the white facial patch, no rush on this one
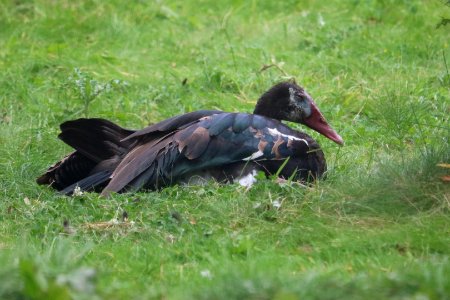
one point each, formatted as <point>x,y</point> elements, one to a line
<point>299,103</point>
<point>292,95</point>
<point>255,155</point>
<point>275,132</point>
<point>247,180</point>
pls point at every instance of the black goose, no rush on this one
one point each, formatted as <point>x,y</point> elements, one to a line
<point>206,143</point>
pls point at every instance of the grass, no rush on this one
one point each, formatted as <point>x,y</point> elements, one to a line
<point>377,227</point>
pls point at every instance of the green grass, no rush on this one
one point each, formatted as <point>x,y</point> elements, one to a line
<point>377,227</point>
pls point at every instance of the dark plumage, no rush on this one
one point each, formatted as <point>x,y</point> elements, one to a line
<point>206,143</point>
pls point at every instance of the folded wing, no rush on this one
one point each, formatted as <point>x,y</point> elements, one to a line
<point>208,142</point>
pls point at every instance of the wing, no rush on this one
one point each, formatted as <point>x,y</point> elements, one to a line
<point>171,124</point>
<point>100,145</point>
<point>208,142</point>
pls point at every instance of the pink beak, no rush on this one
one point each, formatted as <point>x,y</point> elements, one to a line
<point>318,123</point>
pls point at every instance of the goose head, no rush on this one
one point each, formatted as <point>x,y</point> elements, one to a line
<point>290,102</point>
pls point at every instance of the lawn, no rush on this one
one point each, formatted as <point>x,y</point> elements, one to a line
<point>378,227</point>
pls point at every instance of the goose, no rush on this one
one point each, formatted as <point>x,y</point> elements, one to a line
<point>225,146</point>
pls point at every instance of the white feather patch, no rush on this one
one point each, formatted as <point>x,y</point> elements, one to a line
<point>247,180</point>
<point>255,155</point>
<point>274,131</point>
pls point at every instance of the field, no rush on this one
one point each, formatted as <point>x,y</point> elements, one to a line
<point>378,227</point>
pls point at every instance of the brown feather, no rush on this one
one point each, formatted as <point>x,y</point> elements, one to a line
<point>275,147</point>
<point>262,145</point>
<point>196,143</point>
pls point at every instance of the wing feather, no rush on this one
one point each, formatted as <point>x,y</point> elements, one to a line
<point>174,123</point>
<point>196,143</point>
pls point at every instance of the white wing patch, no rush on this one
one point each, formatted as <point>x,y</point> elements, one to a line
<point>247,180</point>
<point>274,131</point>
<point>255,155</point>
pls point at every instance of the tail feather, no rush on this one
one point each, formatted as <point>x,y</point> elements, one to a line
<point>97,139</point>
<point>70,169</point>
<point>90,183</point>
<point>98,146</point>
